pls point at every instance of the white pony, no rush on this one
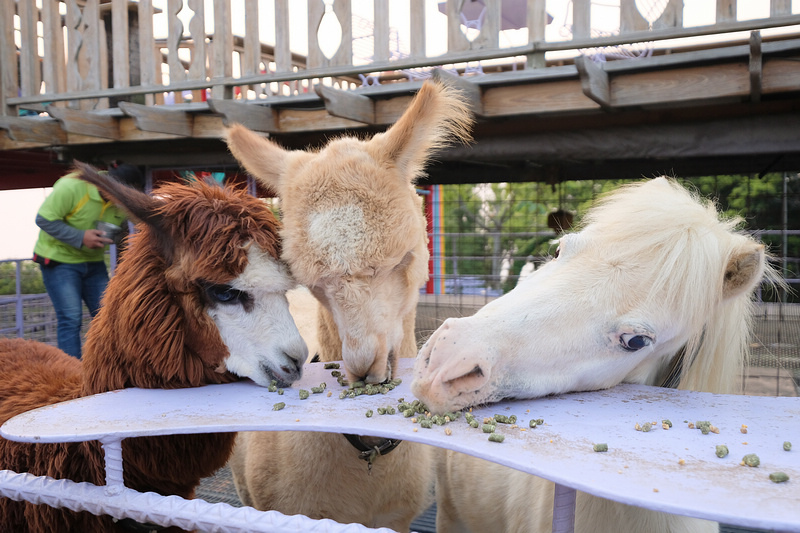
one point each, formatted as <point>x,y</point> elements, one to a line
<point>656,289</point>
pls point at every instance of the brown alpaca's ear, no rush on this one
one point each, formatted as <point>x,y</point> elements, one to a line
<point>263,159</point>
<point>744,271</point>
<point>139,206</point>
<point>439,115</point>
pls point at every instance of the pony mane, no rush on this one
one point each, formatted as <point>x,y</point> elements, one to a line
<point>686,239</point>
<point>202,235</point>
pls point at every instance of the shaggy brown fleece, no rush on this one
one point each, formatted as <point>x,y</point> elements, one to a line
<point>151,332</point>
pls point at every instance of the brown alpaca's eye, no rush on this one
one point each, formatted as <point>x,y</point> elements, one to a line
<point>225,294</point>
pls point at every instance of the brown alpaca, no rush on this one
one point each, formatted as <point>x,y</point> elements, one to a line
<point>199,298</point>
<point>355,235</point>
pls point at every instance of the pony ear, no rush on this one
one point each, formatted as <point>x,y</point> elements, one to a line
<point>744,270</point>
<point>437,116</point>
<point>265,160</point>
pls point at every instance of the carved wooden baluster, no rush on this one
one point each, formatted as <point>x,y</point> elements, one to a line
<point>197,34</point>
<point>174,37</point>
<point>83,52</point>
<point>335,12</point>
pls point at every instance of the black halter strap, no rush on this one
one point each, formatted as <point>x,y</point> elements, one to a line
<point>369,453</point>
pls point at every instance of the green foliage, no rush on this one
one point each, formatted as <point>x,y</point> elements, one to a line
<point>31,278</point>
<point>485,223</point>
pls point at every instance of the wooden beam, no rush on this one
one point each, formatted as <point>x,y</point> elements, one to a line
<point>756,66</point>
<point>85,122</point>
<point>34,129</point>
<point>347,104</point>
<point>594,81</point>
<point>471,90</point>
<point>254,116</point>
<point>159,119</point>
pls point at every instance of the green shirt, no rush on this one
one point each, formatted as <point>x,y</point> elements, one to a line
<point>80,205</point>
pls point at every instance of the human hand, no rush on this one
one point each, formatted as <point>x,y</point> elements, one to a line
<point>94,238</point>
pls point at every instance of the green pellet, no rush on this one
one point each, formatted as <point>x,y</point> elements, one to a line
<point>303,394</point>
<point>667,422</point>
<point>272,388</point>
<point>602,447</point>
<point>408,413</point>
<point>426,423</point>
<point>381,410</point>
<point>329,366</point>
<point>722,450</point>
<point>336,374</point>
<point>497,437</point>
<point>474,423</point>
<point>646,427</point>
<point>778,477</point>
<point>539,421</point>
<point>703,425</point>
<point>488,428</point>
<point>278,406</point>
<point>532,424</point>
<point>280,392</point>
<point>751,459</point>
<point>787,446</point>
<point>502,419</point>
<point>343,395</point>
<point>274,382</point>
<point>390,410</point>
<point>368,413</point>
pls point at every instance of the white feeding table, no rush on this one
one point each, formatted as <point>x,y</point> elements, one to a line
<point>674,470</point>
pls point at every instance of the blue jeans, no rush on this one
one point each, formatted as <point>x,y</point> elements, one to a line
<point>68,285</point>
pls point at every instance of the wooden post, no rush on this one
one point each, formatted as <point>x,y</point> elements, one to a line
<point>581,19</point>
<point>8,59</point>
<point>726,11</point>
<point>283,52</point>
<point>29,73</point>
<point>417,37</point>
<point>222,52</point>
<point>380,35</point>
<point>147,51</point>
<point>53,68</point>
<point>537,22</point>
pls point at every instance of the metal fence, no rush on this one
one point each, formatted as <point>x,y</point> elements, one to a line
<point>484,238</point>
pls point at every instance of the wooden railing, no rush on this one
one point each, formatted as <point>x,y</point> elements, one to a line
<point>90,54</point>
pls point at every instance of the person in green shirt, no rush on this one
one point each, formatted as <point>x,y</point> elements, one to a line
<point>70,249</point>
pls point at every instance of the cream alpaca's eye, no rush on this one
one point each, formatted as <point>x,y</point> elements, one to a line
<point>633,343</point>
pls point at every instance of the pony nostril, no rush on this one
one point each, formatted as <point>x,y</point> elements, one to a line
<point>468,382</point>
<point>294,366</point>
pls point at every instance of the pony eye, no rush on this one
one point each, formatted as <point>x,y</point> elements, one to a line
<point>633,343</point>
<point>558,251</point>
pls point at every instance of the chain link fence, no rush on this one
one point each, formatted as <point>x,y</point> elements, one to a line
<point>486,237</point>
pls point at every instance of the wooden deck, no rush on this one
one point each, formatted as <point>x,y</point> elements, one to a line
<point>93,80</point>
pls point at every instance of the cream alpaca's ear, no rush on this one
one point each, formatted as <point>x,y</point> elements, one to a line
<point>262,158</point>
<point>438,116</point>
<point>744,271</point>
